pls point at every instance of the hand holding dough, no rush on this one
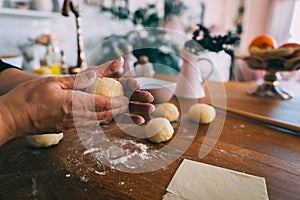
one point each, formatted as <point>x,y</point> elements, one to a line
<point>107,87</point>
<point>159,130</point>
<point>44,140</point>
<point>166,110</point>
<point>202,113</point>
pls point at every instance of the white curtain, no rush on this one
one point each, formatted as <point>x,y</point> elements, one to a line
<point>279,19</point>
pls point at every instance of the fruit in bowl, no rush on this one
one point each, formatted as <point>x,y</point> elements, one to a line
<point>296,53</point>
<point>264,47</point>
<point>271,53</point>
<point>263,42</point>
<point>292,45</point>
<point>264,54</point>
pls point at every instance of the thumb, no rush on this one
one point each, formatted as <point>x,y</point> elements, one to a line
<point>79,81</point>
<point>108,67</point>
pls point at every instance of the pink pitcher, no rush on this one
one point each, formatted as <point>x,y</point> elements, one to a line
<point>190,80</point>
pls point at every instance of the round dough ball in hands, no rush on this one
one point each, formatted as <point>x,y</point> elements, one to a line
<point>166,110</point>
<point>202,113</point>
<point>159,130</point>
<point>44,140</point>
<point>107,87</point>
<point>139,100</point>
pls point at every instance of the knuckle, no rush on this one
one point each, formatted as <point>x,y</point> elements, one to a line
<point>108,116</point>
<point>107,103</point>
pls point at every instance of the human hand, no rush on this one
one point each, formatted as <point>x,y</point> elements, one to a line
<point>139,105</point>
<point>49,104</point>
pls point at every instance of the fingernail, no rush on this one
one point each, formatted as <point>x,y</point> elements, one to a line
<point>151,99</point>
<point>142,121</point>
<point>152,108</point>
<point>120,59</point>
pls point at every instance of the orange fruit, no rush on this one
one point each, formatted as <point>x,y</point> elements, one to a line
<point>263,42</point>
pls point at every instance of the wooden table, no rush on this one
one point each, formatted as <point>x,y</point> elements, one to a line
<point>70,171</point>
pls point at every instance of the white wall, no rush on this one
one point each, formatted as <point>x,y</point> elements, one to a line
<point>16,30</point>
<point>255,21</point>
<point>221,14</point>
<point>295,28</point>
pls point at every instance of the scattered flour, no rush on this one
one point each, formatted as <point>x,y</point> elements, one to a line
<point>130,155</point>
<point>90,151</point>
<point>34,192</point>
<point>122,183</point>
<point>84,178</point>
<point>100,173</point>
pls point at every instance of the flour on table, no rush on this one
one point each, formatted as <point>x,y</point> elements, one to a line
<point>126,154</point>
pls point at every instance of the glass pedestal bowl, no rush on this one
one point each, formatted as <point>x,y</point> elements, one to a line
<point>271,85</point>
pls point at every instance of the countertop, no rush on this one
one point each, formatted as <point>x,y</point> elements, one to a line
<point>79,169</point>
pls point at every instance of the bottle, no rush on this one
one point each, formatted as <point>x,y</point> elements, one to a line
<point>53,59</point>
<point>64,67</point>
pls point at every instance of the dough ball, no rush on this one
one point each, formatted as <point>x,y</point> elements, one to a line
<point>44,140</point>
<point>166,110</point>
<point>107,87</point>
<point>159,130</point>
<point>202,113</point>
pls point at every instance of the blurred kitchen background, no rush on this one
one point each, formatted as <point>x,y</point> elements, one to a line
<point>22,21</point>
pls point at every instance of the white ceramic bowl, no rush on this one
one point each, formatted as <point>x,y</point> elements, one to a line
<point>161,90</point>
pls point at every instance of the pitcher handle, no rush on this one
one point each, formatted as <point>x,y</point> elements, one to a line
<point>212,69</point>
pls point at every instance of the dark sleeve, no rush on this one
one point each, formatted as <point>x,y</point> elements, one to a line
<point>4,66</point>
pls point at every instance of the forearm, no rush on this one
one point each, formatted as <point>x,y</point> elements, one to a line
<point>6,124</point>
<point>12,77</point>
